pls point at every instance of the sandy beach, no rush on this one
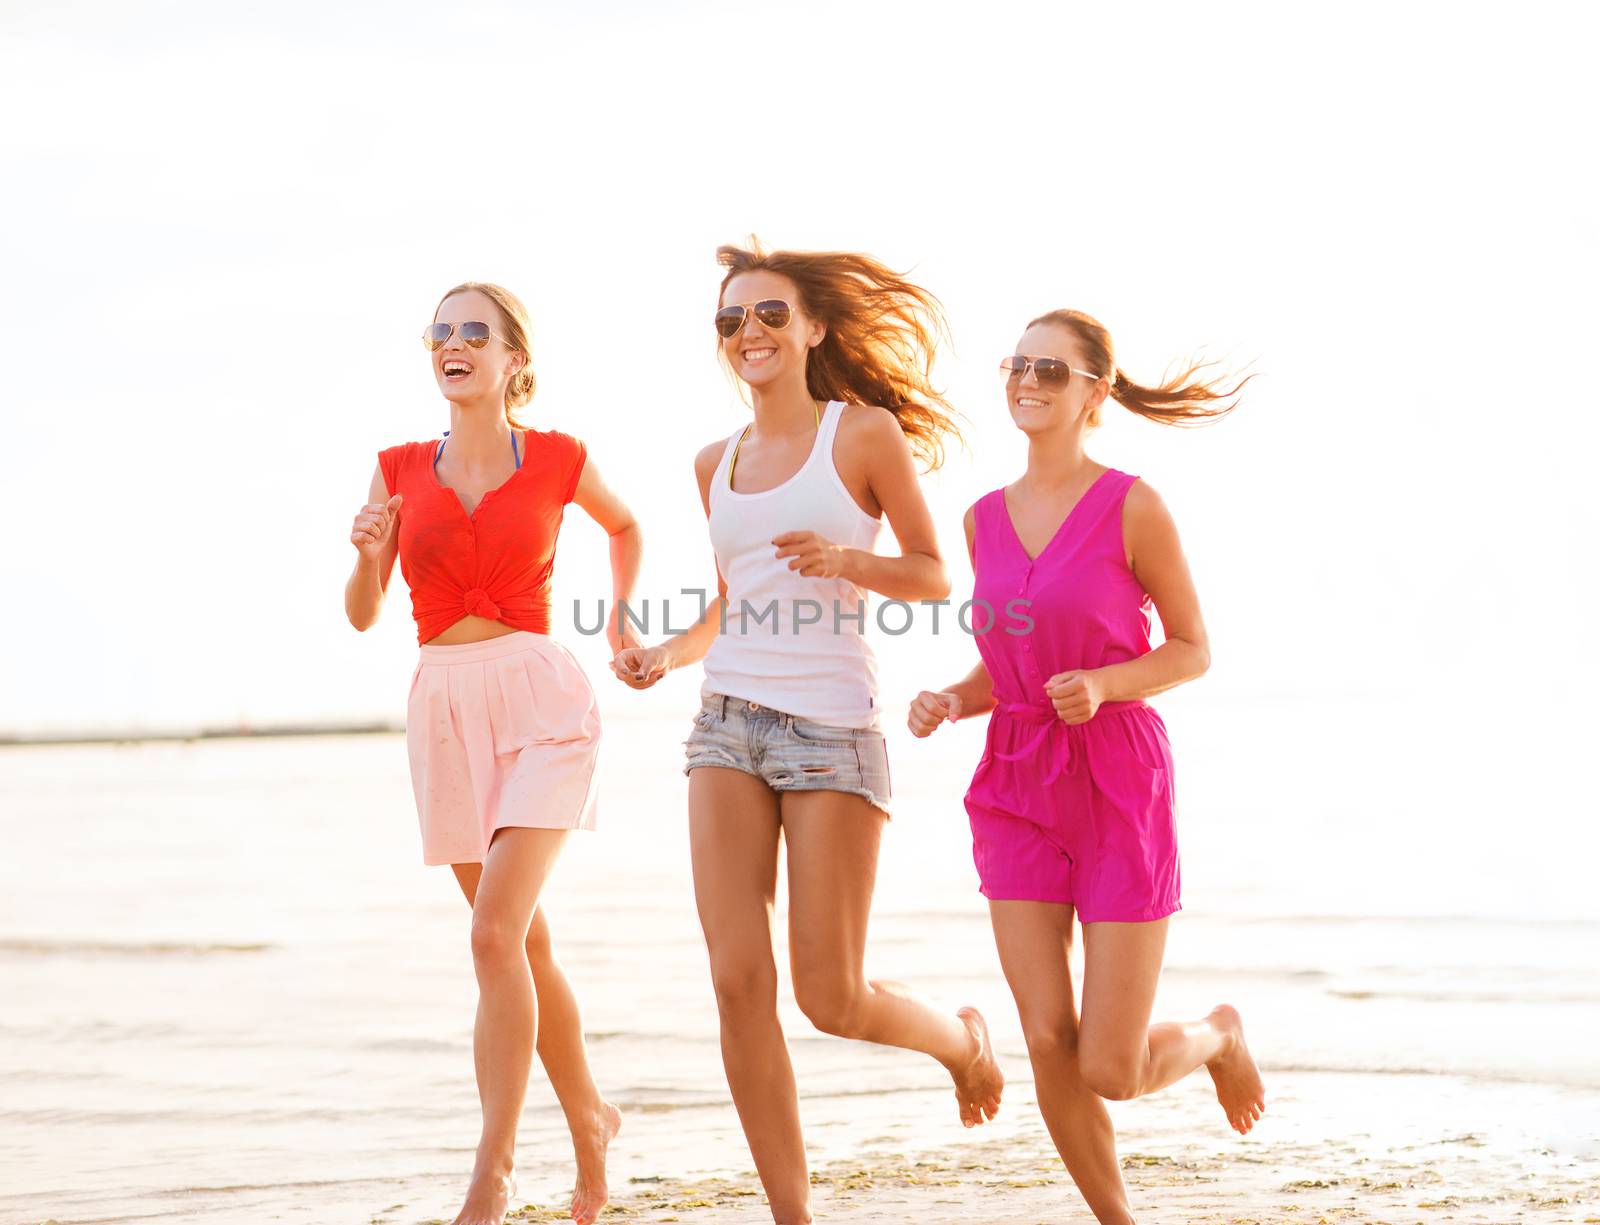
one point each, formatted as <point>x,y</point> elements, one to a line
<point>1019,1185</point>
<point>1402,1169</point>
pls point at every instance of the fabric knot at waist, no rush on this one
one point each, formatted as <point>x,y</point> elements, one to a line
<point>478,604</point>
<point>1055,746</point>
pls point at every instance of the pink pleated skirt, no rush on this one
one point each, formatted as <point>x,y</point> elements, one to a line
<point>502,732</point>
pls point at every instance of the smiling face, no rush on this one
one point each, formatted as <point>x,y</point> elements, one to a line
<point>762,356</point>
<point>465,374</point>
<point>1036,408</point>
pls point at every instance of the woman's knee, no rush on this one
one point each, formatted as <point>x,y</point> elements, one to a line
<point>496,942</point>
<point>1052,1039</point>
<point>830,1002</point>
<point>1113,1075</point>
<point>744,984</point>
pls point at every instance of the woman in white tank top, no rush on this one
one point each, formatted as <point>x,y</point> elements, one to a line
<point>787,742</point>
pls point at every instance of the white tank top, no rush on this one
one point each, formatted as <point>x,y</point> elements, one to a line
<point>793,643</point>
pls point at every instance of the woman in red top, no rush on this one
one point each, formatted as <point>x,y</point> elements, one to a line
<point>502,727</point>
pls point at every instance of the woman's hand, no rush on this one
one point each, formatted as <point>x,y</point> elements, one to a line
<point>930,709</point>
<point>1075,695</point>
<point>373,527</point>
<point>619,634</point>
<point>640,667</point>
<point>813,556</point>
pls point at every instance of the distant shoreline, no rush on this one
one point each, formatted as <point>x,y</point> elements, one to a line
<point>9,740</point>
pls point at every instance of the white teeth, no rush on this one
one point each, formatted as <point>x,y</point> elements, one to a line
<point>758,354</point>
<point>1026,402</point>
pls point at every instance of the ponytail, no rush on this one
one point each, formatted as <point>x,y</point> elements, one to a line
<point>1183,400</point>
<point>1188,398</point>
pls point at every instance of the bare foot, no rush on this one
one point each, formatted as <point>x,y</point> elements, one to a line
<point>980,1083</point>
<point>590,1194</point>
<point>488,1198</point>
<point>1234,1071</point>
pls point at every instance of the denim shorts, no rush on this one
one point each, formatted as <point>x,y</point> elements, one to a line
<point>789,753</point>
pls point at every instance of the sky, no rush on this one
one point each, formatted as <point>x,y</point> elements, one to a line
<point>226,225</point>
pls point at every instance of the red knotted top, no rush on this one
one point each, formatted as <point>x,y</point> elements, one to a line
<point>495,562</point>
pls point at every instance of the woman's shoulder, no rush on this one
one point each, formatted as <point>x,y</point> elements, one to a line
<point>871,425</point>
<point>404,453</point>
<point>710,455</point>
<point>550,438</point>
<point>865,416</point>
<point>558,447</point>
<point>1142,507</point>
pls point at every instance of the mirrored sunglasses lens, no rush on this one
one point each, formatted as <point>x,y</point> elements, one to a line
<point>1012,367</point>
<point>773,313</point>
<point>434,335</point>
<point>475,335</point>
<point>729,320</point>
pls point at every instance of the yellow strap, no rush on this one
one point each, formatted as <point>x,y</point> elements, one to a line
<point>734,458</point>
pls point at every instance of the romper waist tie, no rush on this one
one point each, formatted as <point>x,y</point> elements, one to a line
<point>1053,738</point>
<point>1057,747</point>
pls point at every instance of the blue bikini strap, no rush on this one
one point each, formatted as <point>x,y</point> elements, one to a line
<point>515,454</point>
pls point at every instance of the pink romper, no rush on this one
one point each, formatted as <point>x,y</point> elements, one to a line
<point>1079,814</point>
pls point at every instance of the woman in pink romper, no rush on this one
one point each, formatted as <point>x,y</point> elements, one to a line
<point>1071,805</point>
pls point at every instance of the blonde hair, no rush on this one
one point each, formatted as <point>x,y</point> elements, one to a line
<point>516,329</point>
<point>1182,399</point>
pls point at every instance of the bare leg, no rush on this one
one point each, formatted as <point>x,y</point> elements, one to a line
<point>592,1120</point>
<point>733,839</point>
<point>1124,1056</point>
<point>1033,939</point>
<point>515,869</point>
<point>833,864</point>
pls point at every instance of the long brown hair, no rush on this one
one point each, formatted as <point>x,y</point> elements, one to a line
<point>514,319</point>
<point>882,334</point>
<point>1182,399</point>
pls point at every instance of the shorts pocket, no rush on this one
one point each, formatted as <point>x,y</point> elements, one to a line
<point>807,732</point>
<point>1146,745</point>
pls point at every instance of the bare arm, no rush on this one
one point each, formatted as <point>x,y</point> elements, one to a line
<point>1156,558</point>
<point>918,573</point>
<point>641,667</point>
<point>601,504</point>
<point>377,542</point>
<point>970,696</point>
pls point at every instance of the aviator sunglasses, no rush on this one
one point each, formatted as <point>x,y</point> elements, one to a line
<point>1049,371</point>
<point>473,334</point>
<point>772,313</point>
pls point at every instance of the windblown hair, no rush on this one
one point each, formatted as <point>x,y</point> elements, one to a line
<point>1182,399</point>
<point>882,335</point>
<point>514,326</point>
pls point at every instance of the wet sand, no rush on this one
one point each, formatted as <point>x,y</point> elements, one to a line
<point>1412,1162</point>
